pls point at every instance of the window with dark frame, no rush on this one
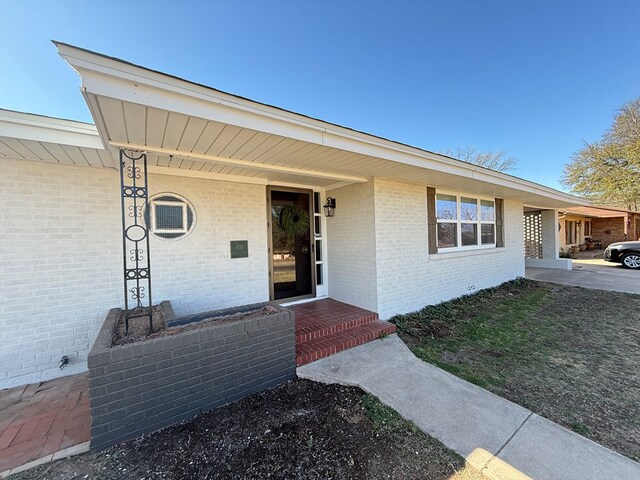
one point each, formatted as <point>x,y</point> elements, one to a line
<point>570,232</point>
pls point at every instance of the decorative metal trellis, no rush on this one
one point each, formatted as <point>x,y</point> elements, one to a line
<point>135,236</point>
<point>533,235</point>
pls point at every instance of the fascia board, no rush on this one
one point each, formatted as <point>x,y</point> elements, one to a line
<point>112,78</point>
<point>45,129</point>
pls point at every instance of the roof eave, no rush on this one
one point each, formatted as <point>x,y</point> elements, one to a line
<point>103,75</point>
<point>28,126</point>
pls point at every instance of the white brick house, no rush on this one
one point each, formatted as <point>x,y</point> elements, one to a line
<point>388,248</point>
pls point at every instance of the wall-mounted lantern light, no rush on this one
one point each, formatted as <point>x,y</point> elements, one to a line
<point>329,207</point>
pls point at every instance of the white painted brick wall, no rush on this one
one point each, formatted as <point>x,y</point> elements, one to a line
<point>196,273</point>
<point>409,278</point>
<point>61,263</point>
<point>402,249</point>
<point>60,253</point>
<point>351,246</point>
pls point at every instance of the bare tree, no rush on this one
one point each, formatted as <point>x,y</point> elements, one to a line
<point>498,160</point>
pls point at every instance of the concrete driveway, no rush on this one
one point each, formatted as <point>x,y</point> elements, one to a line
<point>591,273</point>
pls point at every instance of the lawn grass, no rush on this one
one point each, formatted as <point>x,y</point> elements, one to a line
<point>567,353</point>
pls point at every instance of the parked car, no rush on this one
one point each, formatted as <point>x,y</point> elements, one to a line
<point>626,253</point>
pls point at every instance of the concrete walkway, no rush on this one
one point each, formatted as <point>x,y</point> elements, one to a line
<point>497,437</point>
<point>590,273</point>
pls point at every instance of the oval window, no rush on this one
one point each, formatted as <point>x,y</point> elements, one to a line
<point>170,216</point>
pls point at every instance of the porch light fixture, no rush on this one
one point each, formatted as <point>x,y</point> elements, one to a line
<point>329,207</point>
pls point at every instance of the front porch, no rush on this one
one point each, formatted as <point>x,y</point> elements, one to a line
<point>325,327</point>
<point>42,421</point>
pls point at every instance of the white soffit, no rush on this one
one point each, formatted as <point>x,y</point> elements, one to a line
<point>35,137</point>
<point>217,133</point>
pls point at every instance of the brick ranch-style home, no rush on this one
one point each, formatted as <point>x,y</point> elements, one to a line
<point>602,224</point>
<point>408,228</point>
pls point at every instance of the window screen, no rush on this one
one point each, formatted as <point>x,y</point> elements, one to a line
<point>170,216</point>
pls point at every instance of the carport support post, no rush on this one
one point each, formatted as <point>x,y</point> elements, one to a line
<point>550,234</point>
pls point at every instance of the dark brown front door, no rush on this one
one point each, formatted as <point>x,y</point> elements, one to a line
<point>291,249</point>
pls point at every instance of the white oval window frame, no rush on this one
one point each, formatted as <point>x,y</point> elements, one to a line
<point>187,203</point>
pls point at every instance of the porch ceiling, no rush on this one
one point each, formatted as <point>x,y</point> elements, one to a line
<point>11,147</point>
<point>175,141</point>
<point>193,130</point>
<point>192,146</point>
<point>35,137</point>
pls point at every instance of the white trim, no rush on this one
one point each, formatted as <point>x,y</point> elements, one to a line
<point>130,83</point>
<point>28,126</point>
<point>241,163</point>
<point>458,221</point>
<point>302,300</point>
<point>179,172</point>
<point>184,203</point>
<point>322,290</point>
<point>465,252</point>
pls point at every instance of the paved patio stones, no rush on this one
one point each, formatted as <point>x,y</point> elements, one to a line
<point>497,437</point>
<point>41,419</point>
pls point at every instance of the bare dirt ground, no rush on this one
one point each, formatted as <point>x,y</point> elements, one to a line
<point>301,430</point>
<point>570,354</point>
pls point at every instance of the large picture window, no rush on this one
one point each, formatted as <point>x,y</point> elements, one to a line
<point>465,221</point>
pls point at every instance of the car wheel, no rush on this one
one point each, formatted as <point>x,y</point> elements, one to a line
<point>631,260</point>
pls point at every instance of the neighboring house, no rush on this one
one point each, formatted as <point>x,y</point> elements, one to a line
<point>410,227</point>
<point>602,224</point>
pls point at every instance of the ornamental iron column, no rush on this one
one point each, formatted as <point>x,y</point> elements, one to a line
<point>135,237</point>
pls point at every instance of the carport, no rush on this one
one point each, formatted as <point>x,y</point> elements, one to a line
<point>542,240</point>
<point>593,273</point>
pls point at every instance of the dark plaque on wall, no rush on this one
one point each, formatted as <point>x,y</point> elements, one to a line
<point>239,248</point>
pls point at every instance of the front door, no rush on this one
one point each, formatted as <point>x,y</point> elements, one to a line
<point>291,251</point>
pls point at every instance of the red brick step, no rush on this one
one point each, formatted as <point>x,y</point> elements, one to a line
<point>310,327</point>
<point>325,327</point>
<point>326,345</point>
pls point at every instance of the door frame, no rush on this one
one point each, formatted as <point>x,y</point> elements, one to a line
<point>312,243</point>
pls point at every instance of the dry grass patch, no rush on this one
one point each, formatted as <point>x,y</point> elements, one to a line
<point>567,353</point>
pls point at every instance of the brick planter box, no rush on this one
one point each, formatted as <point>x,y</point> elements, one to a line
<point>140,387</point>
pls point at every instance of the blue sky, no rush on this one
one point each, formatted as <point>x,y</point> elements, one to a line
<point>535,78</point>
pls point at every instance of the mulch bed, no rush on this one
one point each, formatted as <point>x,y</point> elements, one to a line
<point>139,327</point>
<point>300,430</point>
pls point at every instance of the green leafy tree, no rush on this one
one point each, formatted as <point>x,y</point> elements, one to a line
<point>608,171</point>
<point>498,161</point>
